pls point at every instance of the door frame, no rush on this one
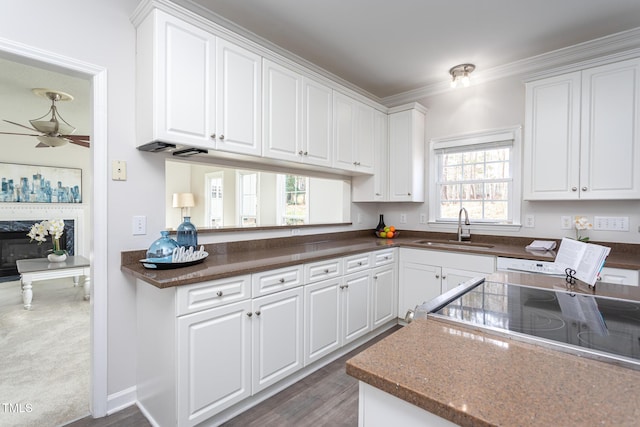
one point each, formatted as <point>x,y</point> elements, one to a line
<point>98,248</point>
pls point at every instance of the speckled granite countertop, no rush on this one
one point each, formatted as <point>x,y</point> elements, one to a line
<point>234,258</point>
<point>473,378</point>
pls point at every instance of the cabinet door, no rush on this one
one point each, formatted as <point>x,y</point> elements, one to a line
<point>277,337</point>
<point>282,112</point>
<point>322,320</point>
<point>214,361</point>
<point>452,277</point>
<point>356,306</point>
<point>178,102</point>
<point>238,94</point>
<point>610,153</point>
<point>418,283</point>
<point>375,188</point>
<point>344,128</point>
<point>406,156</point>
<point>384,305</point>
<point>552,138</point>
<point>364,139</point>
<point>318,123</point>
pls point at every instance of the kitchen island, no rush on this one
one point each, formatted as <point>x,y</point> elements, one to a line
<point>452,373</point>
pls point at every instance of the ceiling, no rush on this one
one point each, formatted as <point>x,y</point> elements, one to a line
<point>388,47</point>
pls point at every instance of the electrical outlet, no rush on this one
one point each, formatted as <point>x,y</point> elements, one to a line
<point>611,223</point>
<point>423,218</point>
<point>359,218</point>
<point>529,221</point>
<point>403,218</point>
<point>139,225</point>
<point>566,223</point>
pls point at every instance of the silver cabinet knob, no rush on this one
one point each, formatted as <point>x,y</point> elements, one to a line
<point>584,188</point>
<point>282,280</point>
<point>444,277</point>
<point>258,313</point>
<point>221,137</point>
<point>408,194</point>
<point>219,293</point>
<point>346,286</point>
<point>375,277</point>
<point>213,136</point>
<point>306,153</point>
<point>300,152</point>
<point>574,188</point>
<point>326,270</point>
<point>249,314</point>
<point>437,276</point>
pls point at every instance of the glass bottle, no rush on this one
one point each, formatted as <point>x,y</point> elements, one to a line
<point>187,234</point>
<point>162,249</point>
<point>380,226</point>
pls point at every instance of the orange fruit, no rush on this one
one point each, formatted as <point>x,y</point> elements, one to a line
<point>389,234</point>
<point>392,229</point>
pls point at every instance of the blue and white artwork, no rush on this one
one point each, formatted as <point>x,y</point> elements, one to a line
<point>40,184</point>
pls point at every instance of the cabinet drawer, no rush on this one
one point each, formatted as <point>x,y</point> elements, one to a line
<point>388,256</point>
<point>271,281</point>
<point>357,263</point>
<point>322,270</point>
<point>213,293</point>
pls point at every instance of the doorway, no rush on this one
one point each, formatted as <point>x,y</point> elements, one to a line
<point>97,206</point>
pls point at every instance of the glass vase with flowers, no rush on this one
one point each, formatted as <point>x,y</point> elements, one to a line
<point>54,228</point>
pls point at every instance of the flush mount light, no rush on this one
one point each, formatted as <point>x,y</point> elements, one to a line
<point>460,75</point>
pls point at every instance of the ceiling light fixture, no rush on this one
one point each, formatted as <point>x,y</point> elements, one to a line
<point>460,75</point>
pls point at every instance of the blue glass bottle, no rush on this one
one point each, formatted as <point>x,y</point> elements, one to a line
<point>187,234</point>
<point>162,249</point>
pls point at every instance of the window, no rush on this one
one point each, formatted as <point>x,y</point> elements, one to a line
<point>214,185</point>
<point>248,198</point>
<point>293,208</point>
<point>478,172</point>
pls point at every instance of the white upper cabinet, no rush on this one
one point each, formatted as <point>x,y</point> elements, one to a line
<point>581,134</point>
<point>353,134</point>
<point>196,89</point>
<point>375,188</point>
<point>175,81</point>
<point>406,155</point>
<point>297,123</point>
<point>238,93</point>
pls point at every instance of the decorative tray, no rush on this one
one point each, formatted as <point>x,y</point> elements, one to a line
<point>155,265</point>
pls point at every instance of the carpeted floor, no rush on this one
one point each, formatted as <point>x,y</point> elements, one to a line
<point>44,355</point>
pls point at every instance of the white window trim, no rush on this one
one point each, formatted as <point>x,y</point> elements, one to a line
<point>207,189</point>
<point>239,195</point>
<point>483,137</point>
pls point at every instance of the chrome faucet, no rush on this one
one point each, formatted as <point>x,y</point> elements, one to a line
<point>464,233</point>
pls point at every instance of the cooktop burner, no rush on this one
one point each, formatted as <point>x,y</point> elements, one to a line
<point>594,323</point>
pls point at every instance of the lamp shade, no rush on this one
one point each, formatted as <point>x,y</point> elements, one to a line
<point>183,200</point>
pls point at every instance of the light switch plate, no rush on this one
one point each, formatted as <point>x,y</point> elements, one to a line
<point>529,221</point>
<point>139,225</point>
<point>119,170</point>
<point>403,218</point>
<point>566,223</point>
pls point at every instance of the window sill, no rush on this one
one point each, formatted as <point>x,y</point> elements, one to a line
<point>453,226</point>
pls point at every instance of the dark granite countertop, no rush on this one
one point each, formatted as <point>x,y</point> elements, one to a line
<point>474,378</point>
<point>235,258</point>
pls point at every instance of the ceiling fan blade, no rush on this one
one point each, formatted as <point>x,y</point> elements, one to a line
<point>22,126</point>
<point>23,134</point>
<point>41,145</point>
<point>79,142</point>
<point>86,138</point>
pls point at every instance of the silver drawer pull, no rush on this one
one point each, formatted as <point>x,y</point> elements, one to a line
<point>258,313</point>
<point>249,314</point>
<point>375,277</point>
<point>326,270</point>
<point>213,136</point>
<point>360,263</point>
<point>219,293</point>
<point>221,137</point>
<point>282,280</point>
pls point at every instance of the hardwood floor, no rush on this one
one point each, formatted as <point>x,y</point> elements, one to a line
<point>327,397</point>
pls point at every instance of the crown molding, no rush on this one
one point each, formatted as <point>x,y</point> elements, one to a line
<point>611,48</point>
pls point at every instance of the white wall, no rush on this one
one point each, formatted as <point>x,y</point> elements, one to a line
<point>500,104</point>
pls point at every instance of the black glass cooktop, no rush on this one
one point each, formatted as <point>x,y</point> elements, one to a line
<point>597,324</point>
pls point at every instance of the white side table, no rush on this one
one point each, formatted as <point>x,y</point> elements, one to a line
<point>32,270</point>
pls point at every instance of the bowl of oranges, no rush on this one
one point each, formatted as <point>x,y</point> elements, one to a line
<point>387,233</point>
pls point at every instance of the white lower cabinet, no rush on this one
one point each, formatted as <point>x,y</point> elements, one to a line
<point>384,295</point>
<point>356,306</point>
<point>214,361</point>
<point>277,337</point>
<point>322,319</point>
<point>426,274</point>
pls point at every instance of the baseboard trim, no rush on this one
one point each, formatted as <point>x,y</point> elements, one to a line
<point>121,400</point>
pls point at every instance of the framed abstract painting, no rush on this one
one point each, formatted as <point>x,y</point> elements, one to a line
<point>40,184</point>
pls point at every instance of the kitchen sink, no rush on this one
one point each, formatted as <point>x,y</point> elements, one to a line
<point>454,244</point>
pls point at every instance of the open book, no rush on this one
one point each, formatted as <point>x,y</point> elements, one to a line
<point>587,259</point>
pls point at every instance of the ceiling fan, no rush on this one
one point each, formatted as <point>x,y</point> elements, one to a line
<point>55,131</point>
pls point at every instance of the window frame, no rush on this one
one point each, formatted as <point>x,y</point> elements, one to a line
<point>488,138</point>
<point>208,177</point>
